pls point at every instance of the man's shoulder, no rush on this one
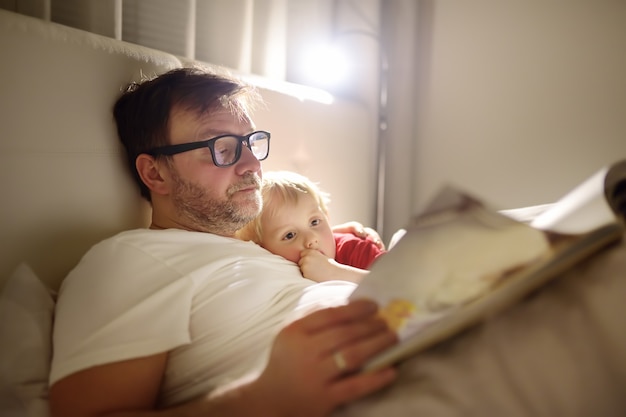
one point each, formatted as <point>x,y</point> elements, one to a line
<point>145,235</point>
<point>169,254</point>
<point>176,245</point>
<point>138,246</point>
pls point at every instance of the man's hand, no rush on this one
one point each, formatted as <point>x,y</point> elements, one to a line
<point>314,361</point>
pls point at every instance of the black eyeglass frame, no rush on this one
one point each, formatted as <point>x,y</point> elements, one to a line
<point>210,143</point>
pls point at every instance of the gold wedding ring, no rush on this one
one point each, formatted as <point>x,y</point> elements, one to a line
<point>340,361</point>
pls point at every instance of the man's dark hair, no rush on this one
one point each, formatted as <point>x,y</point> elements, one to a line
<point>142,112</point>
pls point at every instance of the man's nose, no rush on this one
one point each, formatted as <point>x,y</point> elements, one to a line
<point>248,161</point>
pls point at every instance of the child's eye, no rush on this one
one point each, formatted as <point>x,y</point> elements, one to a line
<point>316,222</point>
<point>289,236</point>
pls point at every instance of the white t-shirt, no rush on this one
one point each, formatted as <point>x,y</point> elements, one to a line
<point>214,303</point>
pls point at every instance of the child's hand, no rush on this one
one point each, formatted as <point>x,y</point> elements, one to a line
<point>316,266</point>
<point>361,231</point>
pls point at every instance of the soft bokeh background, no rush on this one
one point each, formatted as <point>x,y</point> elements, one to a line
<point>516,102</point>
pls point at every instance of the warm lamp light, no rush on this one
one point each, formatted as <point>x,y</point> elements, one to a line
<point>325,66</point>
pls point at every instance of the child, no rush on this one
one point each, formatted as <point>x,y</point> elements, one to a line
<point>294,224</point>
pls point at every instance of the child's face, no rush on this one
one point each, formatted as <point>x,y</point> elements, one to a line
<point>293,227</point>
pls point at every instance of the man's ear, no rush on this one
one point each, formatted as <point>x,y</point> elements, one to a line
<point>151,173</point>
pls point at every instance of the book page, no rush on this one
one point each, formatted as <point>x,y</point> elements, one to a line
<point>460,262</point>
<point>452,254</point>
<point>597,202</point>
<point>584,209</point>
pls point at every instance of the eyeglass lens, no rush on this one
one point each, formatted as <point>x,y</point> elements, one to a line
<point>227,149</point>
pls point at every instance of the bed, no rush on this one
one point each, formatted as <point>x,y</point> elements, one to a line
<point>560,352</point>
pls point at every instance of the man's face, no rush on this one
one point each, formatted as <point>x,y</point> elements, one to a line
<point>206,197</point>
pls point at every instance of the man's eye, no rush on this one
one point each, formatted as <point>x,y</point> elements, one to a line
<point>223,150</point>
<point>289,236</point>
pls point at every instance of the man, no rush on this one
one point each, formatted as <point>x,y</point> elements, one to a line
<point>184,319</point>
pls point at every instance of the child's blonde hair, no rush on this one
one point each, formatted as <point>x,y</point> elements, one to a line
<point>280,187</point>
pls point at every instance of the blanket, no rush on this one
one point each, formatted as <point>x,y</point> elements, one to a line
<point>560,352</point>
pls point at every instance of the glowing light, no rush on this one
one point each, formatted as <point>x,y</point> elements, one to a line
<point>301,92</point>
<point>325,65</point>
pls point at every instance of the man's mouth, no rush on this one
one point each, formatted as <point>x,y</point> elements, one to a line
<point>250,185</point>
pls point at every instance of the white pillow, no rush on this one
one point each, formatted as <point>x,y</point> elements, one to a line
<point>26,311</point>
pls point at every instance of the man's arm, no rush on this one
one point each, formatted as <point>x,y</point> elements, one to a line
<point>302,363</point>
<point>107,389</point>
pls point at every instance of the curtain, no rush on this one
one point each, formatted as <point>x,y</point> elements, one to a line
<point>261,37</point>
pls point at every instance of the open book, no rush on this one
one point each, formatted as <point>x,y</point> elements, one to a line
<point>460,262</point>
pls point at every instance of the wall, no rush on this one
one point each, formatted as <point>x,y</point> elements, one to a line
<point>515,101</point>
<point>331,144</point>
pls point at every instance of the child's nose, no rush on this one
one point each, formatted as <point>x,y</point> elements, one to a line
<point>311,242</point>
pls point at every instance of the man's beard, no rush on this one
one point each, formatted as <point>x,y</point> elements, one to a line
<point>209,214</point>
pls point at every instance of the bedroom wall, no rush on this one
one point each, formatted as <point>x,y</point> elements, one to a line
<point>515,101</point>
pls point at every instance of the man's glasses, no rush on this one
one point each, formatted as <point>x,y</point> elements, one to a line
<point>225,149</point>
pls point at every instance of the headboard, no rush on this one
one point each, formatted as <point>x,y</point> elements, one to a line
<point>64,184</point>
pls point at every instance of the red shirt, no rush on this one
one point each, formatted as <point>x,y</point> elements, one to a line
<point>355,251</point>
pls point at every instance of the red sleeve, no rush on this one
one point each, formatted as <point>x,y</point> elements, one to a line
<point>354,251</point>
